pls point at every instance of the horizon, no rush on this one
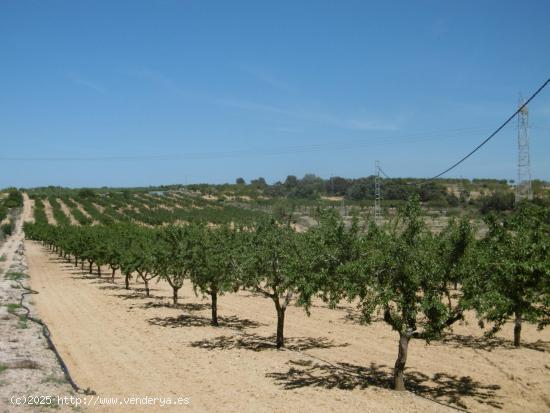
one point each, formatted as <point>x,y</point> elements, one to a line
<point>131,94</point>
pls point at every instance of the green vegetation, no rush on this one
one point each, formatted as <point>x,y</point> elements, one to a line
<point>510,270</point>
<point>22,322</point>
<point>13,307</point>
<point>15,276</point>
<point>420,282</point>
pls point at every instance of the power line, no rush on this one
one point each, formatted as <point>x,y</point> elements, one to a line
<point>494,133</point>
<point>417,137</point>
<point>384,173</point>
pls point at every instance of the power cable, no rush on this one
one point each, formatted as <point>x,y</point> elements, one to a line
<point>292,149</point>
<point>384,173</point>
<point>492,134</point>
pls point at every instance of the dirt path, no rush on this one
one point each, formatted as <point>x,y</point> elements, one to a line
<point>120,343</point>
<point>49,211</point>
<point>29,367</point>
<point>67,211</point>
<point>28,205</point>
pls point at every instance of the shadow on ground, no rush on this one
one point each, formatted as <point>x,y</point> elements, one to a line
<point>112,287</point>
<point>136,293</point>
<point>491,343</point>
<point>256,342</point>
<point>192,320</point>
<point>179,306</point>
<point>441,387</point>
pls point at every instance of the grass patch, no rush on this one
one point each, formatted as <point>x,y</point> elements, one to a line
<point>16,276</point>
<point>54,379</point>
<point>3,367</point>
<point>22,323</point>
<point>2,258</point>
<point>13,307</point>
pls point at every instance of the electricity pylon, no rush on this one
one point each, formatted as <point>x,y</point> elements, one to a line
<point>377,196</point>
<point>523,184</point>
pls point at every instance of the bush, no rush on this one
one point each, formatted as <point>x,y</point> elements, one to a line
<point>86,193</point>
<point>14,199</point>
<point>498,201</point>
<point>7,229</point>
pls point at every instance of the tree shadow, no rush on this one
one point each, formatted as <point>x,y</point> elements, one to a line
<point>489,343</point>
<point>442,388</point>
<point>83,276</point>
<point>192,320</point>
<point>111,286</point>
<point>255,342</point>
<point>185,306</point>
<point>136,293</point>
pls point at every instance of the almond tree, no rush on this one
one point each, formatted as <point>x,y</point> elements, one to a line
<point>510,275</point>
<point>401,274</point>
<point>139,255</point>
<point>274,264</point>
<point>215,267</point>
<point>174,256</point>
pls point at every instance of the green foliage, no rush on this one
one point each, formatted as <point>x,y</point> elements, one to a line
<point>214,258</point>
<point>15,276</point>
<point>14,199</point>
<point>174,259</point>
<point>7,229</point>
<point>510,269</point>
<point>87,193</point>
<point>13,307</point>
<point>403,273</point>
<point>498,201</point>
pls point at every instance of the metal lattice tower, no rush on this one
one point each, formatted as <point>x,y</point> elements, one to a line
<point>523,184</point>
<point>377,196</point>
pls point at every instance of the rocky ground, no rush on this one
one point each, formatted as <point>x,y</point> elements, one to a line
<point>28,368</point>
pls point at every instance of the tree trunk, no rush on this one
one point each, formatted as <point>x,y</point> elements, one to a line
<point>82,265</point>
<point>517,329</point>
<point>175,296</point>
<point>146,282</point>
<point>280,324</point>
<point>214,305</point>
<point>113,275</point>
<point>127,281</point>
<point>90,268</point>
<point>399,371</point>
<point>76,261</point>
<point>99,270</point>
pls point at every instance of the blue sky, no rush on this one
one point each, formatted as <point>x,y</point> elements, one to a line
<point>132,93</point>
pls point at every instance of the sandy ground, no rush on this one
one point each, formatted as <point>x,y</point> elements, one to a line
<point>120,343</point>
<point>67,211</point>
<point>49,211</point>
<point>28,367</point>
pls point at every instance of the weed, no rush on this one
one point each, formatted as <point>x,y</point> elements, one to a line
<point>13,307</point>
<point>54,379</point>
<point>15,276</point>
<point>22,322</point>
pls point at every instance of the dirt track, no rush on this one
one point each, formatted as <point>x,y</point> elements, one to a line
<point>120,343</point>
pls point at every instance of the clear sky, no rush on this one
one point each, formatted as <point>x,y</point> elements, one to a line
<point>128,93</point>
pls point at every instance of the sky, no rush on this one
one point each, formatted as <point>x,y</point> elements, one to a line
<point>135,93</point>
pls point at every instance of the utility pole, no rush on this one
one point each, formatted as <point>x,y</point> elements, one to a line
<point>377,196</point>
<point>523,184</point>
